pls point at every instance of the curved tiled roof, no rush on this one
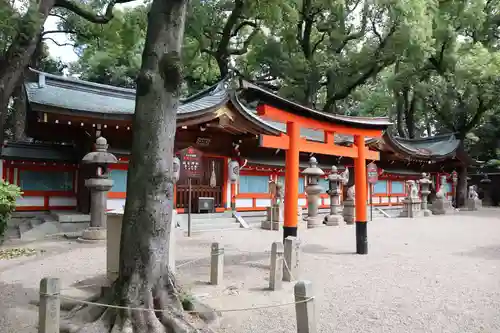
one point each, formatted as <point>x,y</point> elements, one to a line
<point>432,148</point>
<point>254,92</point>
<point>78,95</point>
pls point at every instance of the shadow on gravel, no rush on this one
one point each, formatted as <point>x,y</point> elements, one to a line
<point>484,252</point>
<point>14,295</point>
<point>91,283</point>
<point>319,249</point>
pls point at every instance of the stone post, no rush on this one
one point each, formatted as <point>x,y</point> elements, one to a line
<point>99,186</point>
<point>334,181</point>
<point>276,271</point>
<point>412,205</point>
<point>304,307</point>
<point>49,312</point>
<point>425,184</point>
<point>349,212</point>
<point>292,259</point>
<point>486,188</point>
<point>313,189</point>
<point>216,264</point>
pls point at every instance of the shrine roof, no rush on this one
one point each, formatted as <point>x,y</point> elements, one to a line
<point>431,148</point>
<point>32,151</point>
<point>78,95</point>
<point>253,92</point>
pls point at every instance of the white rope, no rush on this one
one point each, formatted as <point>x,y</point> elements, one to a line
<point>268,306</point>
<point>288,269</point>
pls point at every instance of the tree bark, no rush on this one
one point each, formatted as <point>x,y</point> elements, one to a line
<point>18,55</point>
<point>20,113</point>
<point>462,186</point>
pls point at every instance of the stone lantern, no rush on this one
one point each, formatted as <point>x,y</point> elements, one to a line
<point>313,189</point>
<point>425,184</point>
<point>99,185</point>
<point>486,188</point>
<point>334,181</point>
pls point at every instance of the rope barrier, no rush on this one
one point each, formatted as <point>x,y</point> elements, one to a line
<point>118,307</point>
<point>288,269</point>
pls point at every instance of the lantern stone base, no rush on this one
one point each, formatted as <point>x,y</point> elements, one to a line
<point>314,222</point>
<point>93,235</point>
<point>349,212</point>
<point>270,225</point>
<point>334,220</point>
<point>412,207</point>
<point>273,218</point>
<point>474,204</point>
<point>441,206</point>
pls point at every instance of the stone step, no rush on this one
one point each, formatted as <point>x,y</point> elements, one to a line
<point>35,222</point>
<point>70,217</point>
<point>23,227</point>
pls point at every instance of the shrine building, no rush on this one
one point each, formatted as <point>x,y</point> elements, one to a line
<point>64,116</point>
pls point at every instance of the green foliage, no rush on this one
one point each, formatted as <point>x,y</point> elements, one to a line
<point>110,53</point>
<point>8,196</point>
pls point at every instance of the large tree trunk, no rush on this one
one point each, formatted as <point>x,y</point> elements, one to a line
<point>19,53</point>
<point>19,107</point>
<point>462,186</point>
<point>144,279</point>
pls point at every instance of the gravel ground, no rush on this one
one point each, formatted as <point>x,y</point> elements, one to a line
<point>437,274</point>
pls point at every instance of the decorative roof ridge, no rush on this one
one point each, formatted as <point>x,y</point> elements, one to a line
<point>236,100</point>
<point>72,82</point>
<point>355,119</point>
<point>220,86</point>
<point>126,93</point>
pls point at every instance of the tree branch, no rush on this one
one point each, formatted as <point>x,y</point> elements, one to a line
<point>374,69</point>
<point>58,32</point>
<point>246,44</point>
<point>88,14</point>
<point>57,43</point>
<point>242,25</point>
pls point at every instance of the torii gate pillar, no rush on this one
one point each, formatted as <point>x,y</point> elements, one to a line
<point>361,186</point>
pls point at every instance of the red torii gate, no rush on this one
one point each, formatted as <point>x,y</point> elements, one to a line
<point>296,117</point>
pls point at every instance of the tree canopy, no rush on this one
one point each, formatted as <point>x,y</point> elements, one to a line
<point>432,66</point>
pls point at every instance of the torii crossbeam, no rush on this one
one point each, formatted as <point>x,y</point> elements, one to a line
<point>300,117</point>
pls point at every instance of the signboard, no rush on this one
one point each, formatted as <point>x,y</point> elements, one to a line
<point>372,173</point>
<point>191,165</point>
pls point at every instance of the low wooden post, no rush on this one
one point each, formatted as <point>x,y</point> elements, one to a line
<point>292,254</point>
<point>216,264</point>
<point>304,307</point>
<point>276,271</point>
<point>50,305</point>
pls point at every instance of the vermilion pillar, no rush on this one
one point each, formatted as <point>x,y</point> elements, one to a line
<point>291,180</point>
<point>361,196</point>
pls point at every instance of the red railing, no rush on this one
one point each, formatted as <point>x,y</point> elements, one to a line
<point>196,192</point>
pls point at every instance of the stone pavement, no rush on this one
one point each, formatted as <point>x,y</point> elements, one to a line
<point>436,274</point>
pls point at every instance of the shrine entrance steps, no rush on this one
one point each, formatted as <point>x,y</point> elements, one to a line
<point>209,222</point>
<point>30,226</point>
<point>254,218</point>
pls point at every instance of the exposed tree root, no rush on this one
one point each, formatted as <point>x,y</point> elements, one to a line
<point>164,296</point>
